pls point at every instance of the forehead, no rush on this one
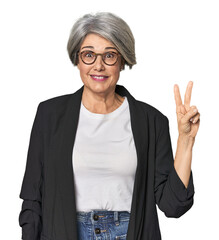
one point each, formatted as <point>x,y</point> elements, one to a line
<point>97,42</point>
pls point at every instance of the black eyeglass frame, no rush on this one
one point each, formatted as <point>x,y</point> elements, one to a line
<point>101,54</point>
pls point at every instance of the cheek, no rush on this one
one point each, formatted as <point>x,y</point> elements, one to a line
<point>116,72</point>
<point>83,69</point>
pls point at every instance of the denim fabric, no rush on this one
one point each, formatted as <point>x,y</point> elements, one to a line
<point>102,225</point>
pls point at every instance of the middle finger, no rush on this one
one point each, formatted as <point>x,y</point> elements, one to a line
<point>188,94</point>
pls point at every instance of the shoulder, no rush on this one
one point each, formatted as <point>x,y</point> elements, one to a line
<point>55,104</point>
<point>155,118</point>
<point>50,112</point>
<point>151,111</point>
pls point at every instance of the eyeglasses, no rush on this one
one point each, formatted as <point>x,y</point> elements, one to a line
<point>89,57</point>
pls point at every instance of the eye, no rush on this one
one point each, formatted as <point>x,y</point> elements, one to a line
<point>110,55</point>
<point>88,55</point>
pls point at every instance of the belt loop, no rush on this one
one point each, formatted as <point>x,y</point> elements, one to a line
<point>116,218</point>
<point>92,216</point>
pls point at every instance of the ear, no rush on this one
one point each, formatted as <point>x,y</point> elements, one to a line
<point>77,62</point>
<point>122,64</point>
<point>78,66</point>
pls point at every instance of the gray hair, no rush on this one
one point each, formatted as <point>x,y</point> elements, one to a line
<point>107,25</point>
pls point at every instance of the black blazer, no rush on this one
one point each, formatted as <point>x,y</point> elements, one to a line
<point>49,210</point>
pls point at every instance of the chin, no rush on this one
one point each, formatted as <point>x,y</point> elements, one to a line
<point>99,87</point>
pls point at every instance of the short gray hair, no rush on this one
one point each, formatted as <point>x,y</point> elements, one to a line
<point>107,25</point>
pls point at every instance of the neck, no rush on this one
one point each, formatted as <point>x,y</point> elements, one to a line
<point>101,103</point>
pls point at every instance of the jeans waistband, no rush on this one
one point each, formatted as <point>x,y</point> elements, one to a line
<point>103,216</point>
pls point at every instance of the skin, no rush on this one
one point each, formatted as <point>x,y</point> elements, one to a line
<point>100,97</point>
<point>188,119</point>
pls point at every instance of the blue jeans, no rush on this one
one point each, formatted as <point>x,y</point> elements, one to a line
<point>102,225</point>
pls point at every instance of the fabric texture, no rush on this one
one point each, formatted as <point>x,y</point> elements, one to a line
<point>48,189</point>
<point>104,160</point>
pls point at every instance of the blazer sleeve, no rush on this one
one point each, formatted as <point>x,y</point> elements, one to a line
<point>172,197</point>
<point>30,217</point>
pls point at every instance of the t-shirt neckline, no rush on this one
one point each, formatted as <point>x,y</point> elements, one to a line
<point>101,116</point>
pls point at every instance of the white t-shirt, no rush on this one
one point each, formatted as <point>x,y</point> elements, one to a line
<point>104,160</point>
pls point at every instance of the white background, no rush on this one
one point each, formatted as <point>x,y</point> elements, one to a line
<point>176,41</point>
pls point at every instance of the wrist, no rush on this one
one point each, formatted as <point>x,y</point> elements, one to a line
<point>186,141</point>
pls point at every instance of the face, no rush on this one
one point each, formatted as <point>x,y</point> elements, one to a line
<point>98,44</point>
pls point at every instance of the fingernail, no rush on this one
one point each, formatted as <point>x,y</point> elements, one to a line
<point>195,110</point>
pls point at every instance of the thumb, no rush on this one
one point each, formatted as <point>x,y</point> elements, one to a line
<point>191,113</point>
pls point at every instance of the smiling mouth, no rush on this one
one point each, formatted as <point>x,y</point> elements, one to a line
<point>99,77</point>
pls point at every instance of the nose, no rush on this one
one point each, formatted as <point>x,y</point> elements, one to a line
<point>99,64</point>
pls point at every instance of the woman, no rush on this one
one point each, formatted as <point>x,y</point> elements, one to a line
<point>99,160</point>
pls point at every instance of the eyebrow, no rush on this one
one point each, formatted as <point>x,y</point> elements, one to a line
<point>105,48</point>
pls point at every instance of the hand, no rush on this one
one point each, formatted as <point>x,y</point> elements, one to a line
<point>188,120</point>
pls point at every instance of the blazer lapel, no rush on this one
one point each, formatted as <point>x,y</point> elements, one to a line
<point>65,176</point>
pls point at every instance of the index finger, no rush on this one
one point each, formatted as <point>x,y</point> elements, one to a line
<point>178,99</point>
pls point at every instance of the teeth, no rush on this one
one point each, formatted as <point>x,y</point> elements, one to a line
<point>98,77</point>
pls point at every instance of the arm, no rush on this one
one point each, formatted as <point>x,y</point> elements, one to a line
<point>170,193</point>
<point>188,119</point>
<point>30,217</point>
<point>174,189</point>
<point>183,159</point>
